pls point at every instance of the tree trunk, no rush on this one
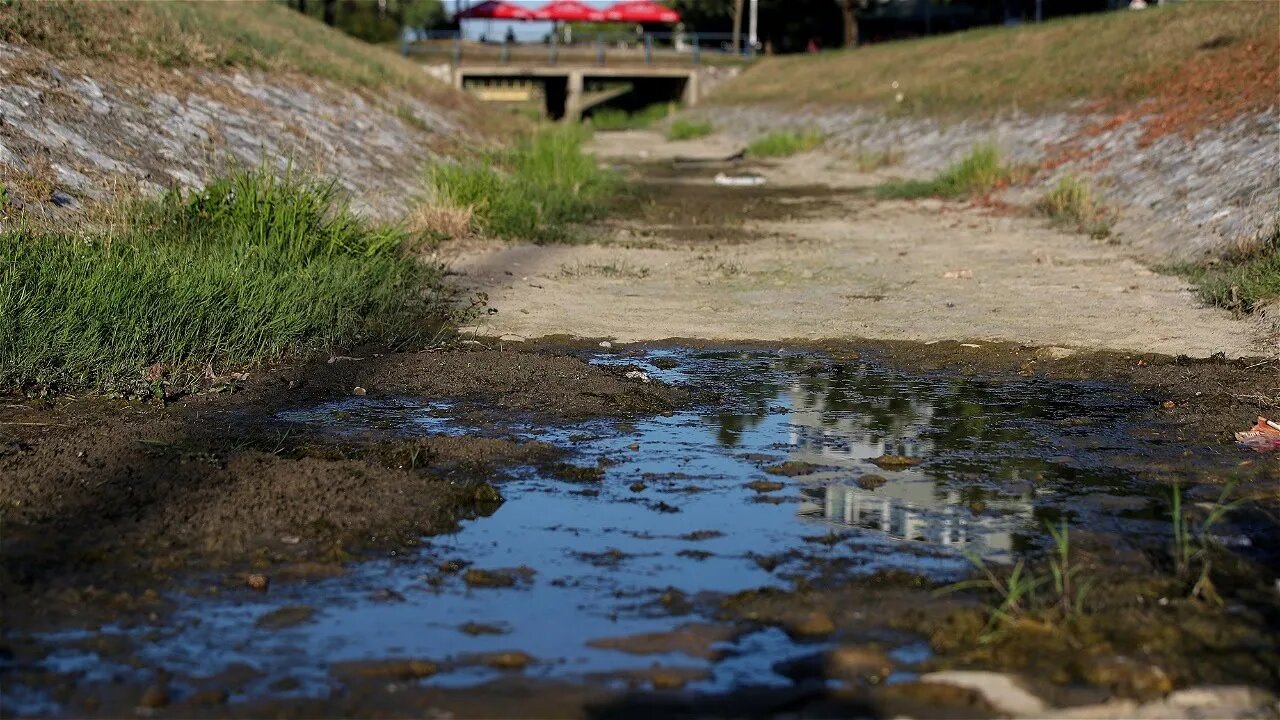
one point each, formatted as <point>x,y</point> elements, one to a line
<point>850,23</point>
<point>302,6</point>
<point>330,12</point>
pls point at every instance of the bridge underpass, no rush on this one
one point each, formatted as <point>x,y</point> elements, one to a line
<point>569,92</point>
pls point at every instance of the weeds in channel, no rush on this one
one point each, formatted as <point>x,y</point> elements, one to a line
<point>784,143</point>
<point>977,173</point>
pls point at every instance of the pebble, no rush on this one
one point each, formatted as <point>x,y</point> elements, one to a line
<point>815,624</point>
<point>258,581</point>
<point>359,391</point>
<point>606,344</point>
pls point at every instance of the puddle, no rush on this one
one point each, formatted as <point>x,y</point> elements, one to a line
<point>675,510</point>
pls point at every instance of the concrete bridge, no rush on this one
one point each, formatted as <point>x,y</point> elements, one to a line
<point>571,80</point>
<point>569,92</point>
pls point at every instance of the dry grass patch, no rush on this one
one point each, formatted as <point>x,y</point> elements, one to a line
<point>1116,55</point>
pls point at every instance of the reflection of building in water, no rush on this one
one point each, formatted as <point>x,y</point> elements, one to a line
<point>919,510</point>
<point>843,434</point>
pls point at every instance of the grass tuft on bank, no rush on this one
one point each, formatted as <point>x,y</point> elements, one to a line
<point>1072,204</point>
<point>687,129</point>
<point>1243,280</point>
<point>534,190</point>
<point>977,173</point>
<point>614,119</point>
<point>250,269</point>
<point>784,143</point>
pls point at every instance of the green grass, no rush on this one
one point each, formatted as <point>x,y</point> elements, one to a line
<point>783,143</point>
<point>251,34</point>
<point>977,173</point>
<point>612,119</point>
<point>1072,204</point>
<point>534,190</point>
<point>1054,594</point>
<point>1242,280</point>
<point>686,129</point>
<point>250,269</point>
<point>1029,68</point>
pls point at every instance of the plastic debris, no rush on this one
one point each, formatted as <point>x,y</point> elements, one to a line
<point>739,180</point>
<point>638,375</point>
<point>1263,437</point>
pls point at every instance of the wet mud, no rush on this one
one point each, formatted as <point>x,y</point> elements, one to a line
<point>737,530</point>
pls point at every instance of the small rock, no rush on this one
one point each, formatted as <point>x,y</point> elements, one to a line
<point>606,344</point>
<point>61,199</point>
<point>475,628</point>
<point>764,486</point>
<point>508,660</point>
<point>871,481</point>
<point>389,669</point>
<point>895,462</point>
<point>638,487</point>
<point>1002,691</point>
<point>290,539</point>
<point>154,697</point>
<point>815,624</point>
<point>637,375</point>
<point>258,581</point>
<point>511,338</point>
<point>1125,677</point>
<point>792,468</point>
<point>862,663</point>
<point>359,391</point>
<point>1169,405</point>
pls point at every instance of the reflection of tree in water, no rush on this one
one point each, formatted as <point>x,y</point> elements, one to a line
<point>981,427</point>
<point>751,400</point>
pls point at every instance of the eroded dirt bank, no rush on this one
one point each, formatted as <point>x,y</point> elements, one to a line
<point>812,255</point>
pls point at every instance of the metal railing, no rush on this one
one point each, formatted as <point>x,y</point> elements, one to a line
<point>600,49</point>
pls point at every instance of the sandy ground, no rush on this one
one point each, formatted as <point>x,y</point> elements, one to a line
<point>854,268</point>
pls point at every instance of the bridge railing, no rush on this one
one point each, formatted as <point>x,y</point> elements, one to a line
<point>601,49</point>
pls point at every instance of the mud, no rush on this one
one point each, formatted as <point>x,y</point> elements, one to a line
<point>106,501</point>
<point>631,525</point>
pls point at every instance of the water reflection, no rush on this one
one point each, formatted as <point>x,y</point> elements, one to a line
<point>674,510</point>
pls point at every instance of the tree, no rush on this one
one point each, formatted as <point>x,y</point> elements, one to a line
<point>423,13</point>
<point>850,8</point>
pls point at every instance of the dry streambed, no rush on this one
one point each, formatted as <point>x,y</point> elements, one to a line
<point>750,530</point>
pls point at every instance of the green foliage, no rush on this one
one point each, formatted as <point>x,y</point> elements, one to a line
<point>1019,595</point>
<point>686,129</point>
<point>1242,280</point>
<point>783,143</point>
<point>532,190</point>
<point>978,173</point>
<point>1193,546</point>
<point>252,268</point>
<point>618,119</point>
<point>1071,203</point>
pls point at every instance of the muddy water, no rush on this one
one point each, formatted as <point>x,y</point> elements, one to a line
<point>658,517</point>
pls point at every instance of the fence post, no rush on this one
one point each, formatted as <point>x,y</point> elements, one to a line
<point>506,53</point>
<point>457,50</point>
<point>599,49</point>
<point>697,50</point>
<point>648,48</point>
<point>552,50</point>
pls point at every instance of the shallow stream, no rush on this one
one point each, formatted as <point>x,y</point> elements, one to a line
<point>740,492</point>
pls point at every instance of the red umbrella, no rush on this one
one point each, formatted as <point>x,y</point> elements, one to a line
<point>569,11</point>
<point>641,11</point>
<point>495,10</point>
